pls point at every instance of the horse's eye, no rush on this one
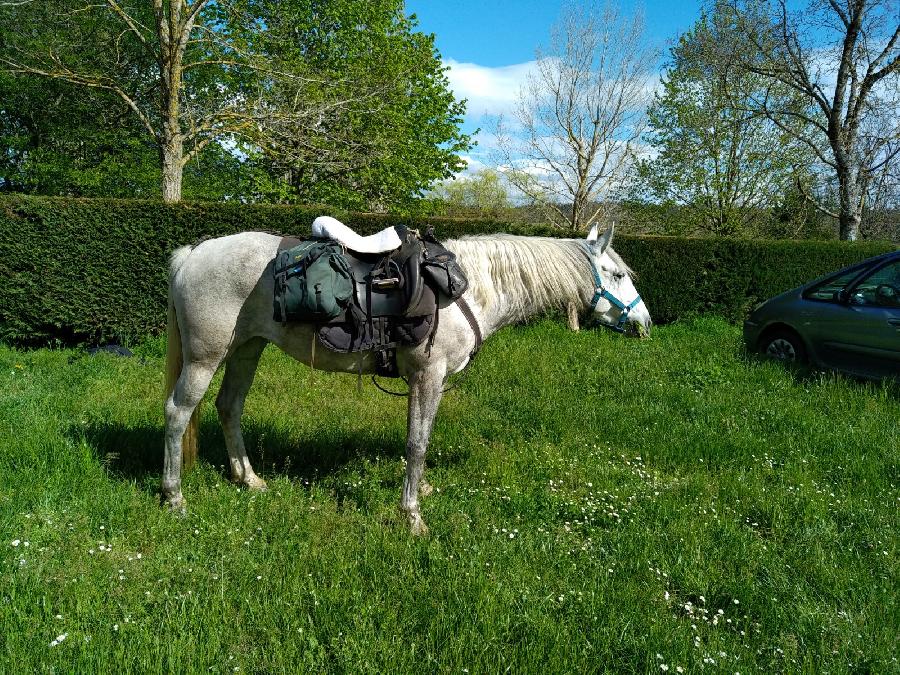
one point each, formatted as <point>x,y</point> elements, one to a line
<point>618,276</point>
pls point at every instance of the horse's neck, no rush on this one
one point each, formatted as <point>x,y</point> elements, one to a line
<point>515,279</point>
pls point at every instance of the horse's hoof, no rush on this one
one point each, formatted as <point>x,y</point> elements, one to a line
<point>256,484</point>
<point>425,489</point>
<point>417,526</point>
<point>176,504</point>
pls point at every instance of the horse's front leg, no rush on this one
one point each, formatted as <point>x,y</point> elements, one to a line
<point>425,390</point>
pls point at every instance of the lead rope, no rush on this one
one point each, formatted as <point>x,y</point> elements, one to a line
<point>479,340</point>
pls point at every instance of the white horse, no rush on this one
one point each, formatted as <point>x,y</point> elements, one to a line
<point>220,310</point>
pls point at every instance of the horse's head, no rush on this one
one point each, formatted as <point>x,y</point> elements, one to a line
<point>616,302</point>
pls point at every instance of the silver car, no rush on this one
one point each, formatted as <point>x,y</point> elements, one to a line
<point>848,320</point>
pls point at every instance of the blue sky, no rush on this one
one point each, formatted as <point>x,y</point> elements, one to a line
<point>505,32</point>
<point>489,47</point>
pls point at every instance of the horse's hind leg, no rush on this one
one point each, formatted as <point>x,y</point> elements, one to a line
<point>187,394</point>
<point>239,371</point>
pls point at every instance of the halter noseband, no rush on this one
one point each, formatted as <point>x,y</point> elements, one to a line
<point>600,291</point>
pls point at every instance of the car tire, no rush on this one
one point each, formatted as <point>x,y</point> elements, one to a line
<point>783,345</point>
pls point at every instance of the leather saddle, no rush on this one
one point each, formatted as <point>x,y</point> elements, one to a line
<point>391,283</point>
<point>392,304</point>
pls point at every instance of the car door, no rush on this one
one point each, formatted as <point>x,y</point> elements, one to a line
<point>862,334</point>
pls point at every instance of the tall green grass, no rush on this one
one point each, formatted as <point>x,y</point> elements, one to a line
<point>601,505</point>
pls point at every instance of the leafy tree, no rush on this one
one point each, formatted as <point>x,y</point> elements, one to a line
<point>396,129</point>
<point>482,192</point>
<point>169,62</point>
<point>341,98</point>
<point>58,139</point>
<point>724,163</point>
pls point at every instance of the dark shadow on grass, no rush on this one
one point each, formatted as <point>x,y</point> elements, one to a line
<point>135,453</point>
<point>804,373</point>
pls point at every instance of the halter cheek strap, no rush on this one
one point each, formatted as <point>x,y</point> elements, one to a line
<point>600,292</point>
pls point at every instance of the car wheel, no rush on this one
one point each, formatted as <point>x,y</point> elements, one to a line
<point>785,346</point>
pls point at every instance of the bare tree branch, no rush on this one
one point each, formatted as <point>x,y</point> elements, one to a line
<point>857,94</point>
<point>579,116</point>
<point>135,27</point>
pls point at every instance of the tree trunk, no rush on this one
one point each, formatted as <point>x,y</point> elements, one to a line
<point>578,208</point>
<point>850,204</point>
<point>172,41</point>
<point>172,151</point>
<point>849,223</point>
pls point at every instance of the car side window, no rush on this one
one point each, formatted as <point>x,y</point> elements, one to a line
<point>881,288</point>
<point>829,290</point>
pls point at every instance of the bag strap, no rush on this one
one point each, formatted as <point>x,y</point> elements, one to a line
<point>473,323</point>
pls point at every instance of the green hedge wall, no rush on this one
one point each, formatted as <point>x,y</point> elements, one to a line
<point>678,276</point>
<point>91,271</point>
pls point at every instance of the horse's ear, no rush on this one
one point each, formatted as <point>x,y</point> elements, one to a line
<point>592,235</point>
<point>603,242</point>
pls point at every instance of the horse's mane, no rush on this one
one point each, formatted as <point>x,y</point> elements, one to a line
<point>529,274</point>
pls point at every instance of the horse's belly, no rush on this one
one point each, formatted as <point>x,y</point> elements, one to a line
<point>300,342</point>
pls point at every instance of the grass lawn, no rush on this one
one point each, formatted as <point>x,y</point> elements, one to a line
<point>601,505</point>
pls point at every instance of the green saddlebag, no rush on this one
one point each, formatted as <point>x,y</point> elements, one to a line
<point>313,282</point>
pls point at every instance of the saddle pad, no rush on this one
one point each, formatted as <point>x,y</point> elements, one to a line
<point>326,227</point>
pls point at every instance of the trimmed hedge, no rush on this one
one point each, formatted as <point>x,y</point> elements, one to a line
<point>678,276</point>
<point>92,270</point>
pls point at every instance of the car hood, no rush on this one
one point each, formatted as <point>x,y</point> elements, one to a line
<point>776,302</point>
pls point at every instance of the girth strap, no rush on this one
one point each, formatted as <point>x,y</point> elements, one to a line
<point>479,340</point>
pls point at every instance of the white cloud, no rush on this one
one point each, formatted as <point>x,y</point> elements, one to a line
<point>489,91</point>
<point>473,165</point>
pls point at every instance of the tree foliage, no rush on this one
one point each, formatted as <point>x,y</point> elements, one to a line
<point>482,192</point>
<point>334,100</point>
<point>58,139</point>
<point>713,154</point>
<point>397,130</point>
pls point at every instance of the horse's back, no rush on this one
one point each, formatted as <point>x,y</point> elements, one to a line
<point>224,282</point>
<point>236,260</point>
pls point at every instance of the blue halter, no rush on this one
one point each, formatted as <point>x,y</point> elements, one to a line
<point>601,292</point>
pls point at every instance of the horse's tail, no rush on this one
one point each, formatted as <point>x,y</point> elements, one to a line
<point>175,362</point>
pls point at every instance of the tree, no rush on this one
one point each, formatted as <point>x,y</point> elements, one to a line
<point>384,149</point>
<point>843,57</point>
<point>726,164</point>
<point>327,94</point>
<point>482,193</point>
<point>167,61</point>
<point>60,139</point>
<point>579,118</point>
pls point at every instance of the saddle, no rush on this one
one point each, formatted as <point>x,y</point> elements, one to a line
<point>393,302</point>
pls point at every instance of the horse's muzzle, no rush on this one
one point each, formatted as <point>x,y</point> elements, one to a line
<point>638,328</point>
